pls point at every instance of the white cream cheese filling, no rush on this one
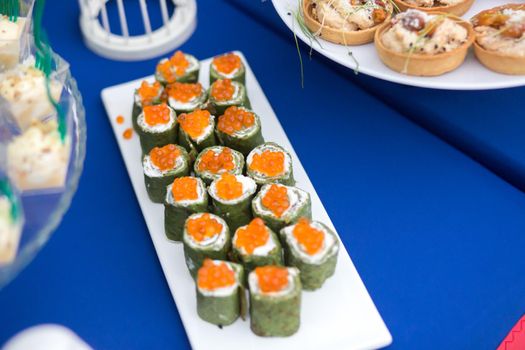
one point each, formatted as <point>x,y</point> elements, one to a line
<point>191,104</point>
<point>157,127</point>
<point>296,197</point>
<point>224,291</point>
<point>235,97</point>
<point>272,148</point>
<point>216,241</point>
<point>138,99</point>
<point>329,247</point>
<point>151,170</point>
<point>237,158</point>
<point>262,250</point>
<point>253,282</point>
<point>201,190</point>
<point>230,75</point>
<point>248,188</point>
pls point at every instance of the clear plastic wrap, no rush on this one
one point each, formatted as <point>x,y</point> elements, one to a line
<point>15,28</point>
<point>36,153</point>
<point>11,221</point>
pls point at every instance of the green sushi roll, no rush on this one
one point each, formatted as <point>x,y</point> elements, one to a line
<point>232,198</point>
<point>161,166</point>
<point>146,95</point>
<point>214,161</point>
<point>256,245</point>
<point>227,66</point>
<point>225,93</point>
<point>185,196</point>
<point>181,67</point>
<point>205,236</point>
<point>157,127</point>
<point>240,129</point>
<point>313,248</point>
<point>220,294</point>
<point>186,97</point>
<point>197,130</point>
<point>275,301</point>
<point>280,205</point>
<point>269,163</point>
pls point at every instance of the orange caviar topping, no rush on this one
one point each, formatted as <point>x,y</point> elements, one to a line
<point>128,133</point>
<point>184,92</point>
<point>251,236</point>
<point>179,61</point>
<point>272,278</point>
<point>165,157</point>
<point>222,90</point>
<point>269,163</point>
<point>157,114</point>
<point>203,227</point>
<point>195,122</point>
<point>228,187</point>
<point>184,188</point>
<point>148,92</point>
<point>309,237</point>
<point>174,67</point>
<point>215,162</point>
<point>227,63</point>
<point>235,119</point>
<point>212,276</point>
<point>276,199</point>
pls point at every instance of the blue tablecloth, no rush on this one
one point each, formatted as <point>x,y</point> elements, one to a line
<point>437,238</point>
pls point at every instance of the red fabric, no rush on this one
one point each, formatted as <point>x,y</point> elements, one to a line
<point>515,340</point>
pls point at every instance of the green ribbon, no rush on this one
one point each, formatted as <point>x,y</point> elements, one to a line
<point>10,8</point>
<point>44,61</point>
<point>5,188</point>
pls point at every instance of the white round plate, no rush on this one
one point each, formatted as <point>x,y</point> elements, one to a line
<point>472,75</point>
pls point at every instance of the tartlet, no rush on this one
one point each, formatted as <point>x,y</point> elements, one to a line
<point>457,8</point>
<point>431,56</point>
<point>360,30</point>
<point>500,38</point>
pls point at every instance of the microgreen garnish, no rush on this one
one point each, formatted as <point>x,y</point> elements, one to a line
<point>299,17</point>
<point>298,53</point>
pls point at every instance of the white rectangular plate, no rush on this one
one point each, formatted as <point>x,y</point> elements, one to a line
<point>339,315</point>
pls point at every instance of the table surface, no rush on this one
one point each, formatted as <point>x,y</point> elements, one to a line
<point>436,236</point>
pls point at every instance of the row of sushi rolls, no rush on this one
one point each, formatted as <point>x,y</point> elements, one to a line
<point>34,158</point>
<point>229,196</point>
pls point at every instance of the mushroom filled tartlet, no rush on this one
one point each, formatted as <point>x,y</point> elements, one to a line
<point>346,22</point>
<point>500,38</point>
<point>454,7</point>
<point>424,44</point>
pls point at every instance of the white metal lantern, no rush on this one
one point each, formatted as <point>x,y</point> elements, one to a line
<point>176,28</point>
